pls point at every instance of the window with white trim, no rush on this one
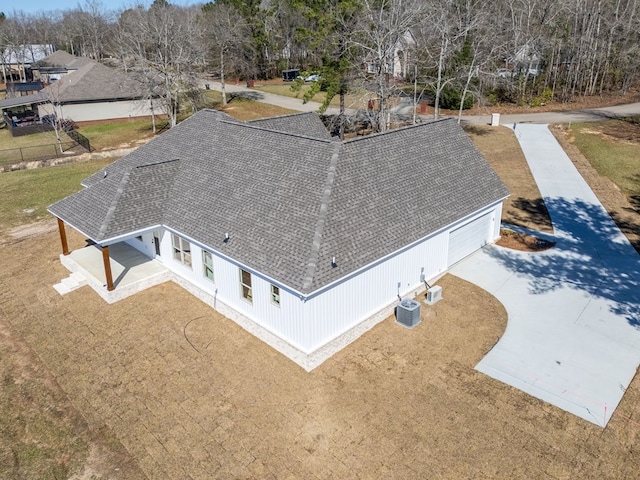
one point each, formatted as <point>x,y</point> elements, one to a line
<point>275,294</point>
<point>207,264</point>
<point>245,285</point>
<point>181,250</point>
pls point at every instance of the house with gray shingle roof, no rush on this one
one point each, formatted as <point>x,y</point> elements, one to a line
<point>91,91</point>
<point>304,240</point>
<point>53,67</point>
<point>81,89</point>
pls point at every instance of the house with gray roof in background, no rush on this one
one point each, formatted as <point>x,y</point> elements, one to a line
<point>53,67</point>
<point>304,240</point>
<point>78,89</point>
<point>84,90</point>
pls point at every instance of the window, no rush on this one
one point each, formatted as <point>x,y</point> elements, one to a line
<point>245,283</point>
<point>181,250</point>
<point>207,263</point>
<point>275,294</point>
<point>139,238</point>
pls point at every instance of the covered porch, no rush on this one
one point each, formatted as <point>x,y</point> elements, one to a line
<point>115,272</point>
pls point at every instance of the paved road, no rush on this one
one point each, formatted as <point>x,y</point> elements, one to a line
<point>270,98</point>
<point>588,115</point>
<point>573,335</point>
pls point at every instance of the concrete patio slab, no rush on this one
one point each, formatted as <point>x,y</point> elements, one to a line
<point>132,271</point>
<point>573,337</point>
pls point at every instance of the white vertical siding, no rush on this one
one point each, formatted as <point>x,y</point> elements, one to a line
<point>145,246</point>
<point>349,303</point>
<point>284,320</point>
<point>325,315</point>
<point>496,222</point>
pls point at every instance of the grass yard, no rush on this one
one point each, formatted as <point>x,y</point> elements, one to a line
<point>26,193</point>
<point>37,145</point>
<point>241,108</point>
<point>245,109</point>
<point>44,138</point>
<point>108,134</point>
<point>613,148</point>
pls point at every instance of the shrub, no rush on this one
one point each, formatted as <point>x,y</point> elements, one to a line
<point>450,98</point>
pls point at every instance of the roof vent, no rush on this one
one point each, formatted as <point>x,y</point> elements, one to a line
<point>408,313</point>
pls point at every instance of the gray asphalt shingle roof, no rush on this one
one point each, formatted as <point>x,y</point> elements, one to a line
<point>289,202</point>
<point>60,60</point>
<point>304,124</point>
<point>91,82</point>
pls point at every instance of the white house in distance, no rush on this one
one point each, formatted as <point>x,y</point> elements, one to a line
<point>18,59</point>
<point>304,240</point>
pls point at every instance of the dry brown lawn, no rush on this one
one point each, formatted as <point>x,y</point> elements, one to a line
<point>161,386</point>
<point>525,207</point>
<point>397,403</point>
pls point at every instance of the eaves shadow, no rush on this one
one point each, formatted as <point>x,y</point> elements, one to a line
<point>591,255</point>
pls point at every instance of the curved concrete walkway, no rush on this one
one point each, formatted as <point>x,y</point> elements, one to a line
<point>573,335</point>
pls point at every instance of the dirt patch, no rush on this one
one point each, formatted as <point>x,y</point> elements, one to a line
<point>525,206</point>
<point>523,242</point>
<point>397,403</point>
<point>43,434</point>
<point>32,229</point>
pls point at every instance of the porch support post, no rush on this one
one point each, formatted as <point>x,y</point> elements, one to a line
<point>63,237</point>
<point>107,268</point>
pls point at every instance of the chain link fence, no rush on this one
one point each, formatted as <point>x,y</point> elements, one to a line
<point>40,152</point>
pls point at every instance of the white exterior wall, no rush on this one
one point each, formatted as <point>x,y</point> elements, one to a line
<point>100,111</point>
<point>344,306</point>
<point>284,320</point>
<point>326,321</point>
<point>145,246</point>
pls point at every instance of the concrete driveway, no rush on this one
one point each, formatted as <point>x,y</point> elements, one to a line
<point>573,337</point>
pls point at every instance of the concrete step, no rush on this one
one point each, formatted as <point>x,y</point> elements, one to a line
<point>71,283</point>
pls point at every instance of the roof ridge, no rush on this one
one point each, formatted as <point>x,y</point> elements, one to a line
<point>288,134</point>
<point>296,114</point>
<point>112,208</point>
<point>312,264</point>
<point>395,130</point>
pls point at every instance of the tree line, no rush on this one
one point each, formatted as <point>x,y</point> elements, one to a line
<point>453,52</point>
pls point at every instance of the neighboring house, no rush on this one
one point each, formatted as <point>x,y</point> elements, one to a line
<point>398,63</point>
<point>81,90</point>
<point>525,61</point>
<point>95,92</point>
<point>304,240</point>
<point>21,89</point>
<point>57,65</point>
<point>17,60</point>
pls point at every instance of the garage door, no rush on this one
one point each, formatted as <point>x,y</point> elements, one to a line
<point>468,238</point>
